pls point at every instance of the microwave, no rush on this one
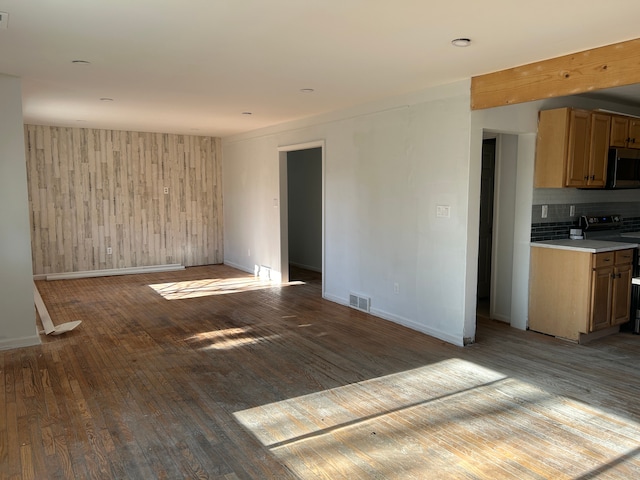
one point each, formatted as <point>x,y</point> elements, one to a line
<point>623,168</point>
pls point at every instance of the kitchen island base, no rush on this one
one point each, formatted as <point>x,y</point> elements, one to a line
<point>579,294</point>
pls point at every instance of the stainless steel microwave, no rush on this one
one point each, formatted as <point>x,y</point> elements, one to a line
<point>623,168</point>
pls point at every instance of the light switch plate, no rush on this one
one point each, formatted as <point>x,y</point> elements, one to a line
<point>443,211</point>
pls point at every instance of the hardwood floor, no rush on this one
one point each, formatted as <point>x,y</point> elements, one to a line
<point>206,373</point>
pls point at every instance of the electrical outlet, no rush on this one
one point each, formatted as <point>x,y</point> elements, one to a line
<point>248,252</point>
<point>545,211</point>
<point>396,288</point>
<point>109,250</point>
<point>572,211</point>
<point>166,190</point>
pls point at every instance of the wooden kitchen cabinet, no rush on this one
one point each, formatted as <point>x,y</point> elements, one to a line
<point>575,293</point>
<point>625,132</point>
<point>596,169</point>
<point>601,289</point>
<point>634,133</point>
<point>619,131</point>
<point>572,148</point>
<point>621,290</point>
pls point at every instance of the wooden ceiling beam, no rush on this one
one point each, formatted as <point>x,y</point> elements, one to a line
<point>603,67</point>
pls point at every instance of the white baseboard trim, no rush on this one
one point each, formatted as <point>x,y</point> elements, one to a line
<point>501,318</point>
<point>334,299</point>
<point>432,332</point>
<point>306,267</point>
<point>20,342</point>
<point>110,272</point>
<point>239,267</point>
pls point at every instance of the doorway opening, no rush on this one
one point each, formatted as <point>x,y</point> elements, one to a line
<point>302,212</point>
<point>485,240</point>
<point>504,229</point>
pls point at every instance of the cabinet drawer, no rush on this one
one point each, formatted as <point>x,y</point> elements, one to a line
<point>623,256</point>
<point>603,259</point>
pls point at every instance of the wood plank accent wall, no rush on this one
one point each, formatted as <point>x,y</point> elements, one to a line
<point>604,67</point>
<point>90,189</point>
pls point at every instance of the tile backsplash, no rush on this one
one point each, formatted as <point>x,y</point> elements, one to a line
<point>559,221</point>
<point>561,212</point>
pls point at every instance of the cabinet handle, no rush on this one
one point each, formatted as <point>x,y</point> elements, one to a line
<point>593,177</point>
<point>586,177</point>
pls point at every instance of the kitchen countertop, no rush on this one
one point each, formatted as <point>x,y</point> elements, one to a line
<point>593,246</point>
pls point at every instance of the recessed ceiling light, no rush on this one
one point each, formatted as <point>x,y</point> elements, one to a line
<point>80,62</point>
<point>307,90</point>
<point>106,99</point>
<point>461,42</point>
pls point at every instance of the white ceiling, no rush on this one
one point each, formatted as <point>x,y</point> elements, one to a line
<point>194,66</point>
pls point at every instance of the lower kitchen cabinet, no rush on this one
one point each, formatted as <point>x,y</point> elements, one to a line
<point>621,290</point>
<point>575,293</point>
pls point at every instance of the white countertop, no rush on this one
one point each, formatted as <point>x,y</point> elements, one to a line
<point>593,246</point>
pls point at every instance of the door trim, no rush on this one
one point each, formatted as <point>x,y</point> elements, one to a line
<point>284,213</point>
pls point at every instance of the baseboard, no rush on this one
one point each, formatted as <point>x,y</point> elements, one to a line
<point>239,267</point>
<point>306,267</point>
<point>587,337</point>
<point>334,299</point>
<point>501,318</point>
<point>110,272</point>
<point>20,342</point>
<point>432,332</point>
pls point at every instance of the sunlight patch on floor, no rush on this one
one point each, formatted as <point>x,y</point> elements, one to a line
<point>345,406</point>
<point>214,286</point>
<point>229,338</point>
<point>491,423</point>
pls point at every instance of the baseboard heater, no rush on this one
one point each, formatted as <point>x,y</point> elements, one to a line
<point>110,272</point>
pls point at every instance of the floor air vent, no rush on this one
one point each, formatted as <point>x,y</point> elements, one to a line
<point>359,302</point>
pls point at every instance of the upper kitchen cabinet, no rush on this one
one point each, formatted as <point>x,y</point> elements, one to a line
<point>572,147</point>
<point>625,132</point>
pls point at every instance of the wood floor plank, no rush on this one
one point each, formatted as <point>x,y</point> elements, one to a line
<point>229,378</point>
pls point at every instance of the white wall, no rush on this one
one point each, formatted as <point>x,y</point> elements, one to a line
<point>387,166</point>
<point>17,317</point>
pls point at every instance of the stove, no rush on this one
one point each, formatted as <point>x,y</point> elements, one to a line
<point>601,227</point>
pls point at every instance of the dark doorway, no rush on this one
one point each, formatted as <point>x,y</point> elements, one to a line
<point>486,225</point>
<point>304,206</point>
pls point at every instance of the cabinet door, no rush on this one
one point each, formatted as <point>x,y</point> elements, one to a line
<point>619,131</point>
<point>634,133</point>
<point>578,149</point>
<point>621,296</point>
<point>599,149</point>
<point>601,287</point>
